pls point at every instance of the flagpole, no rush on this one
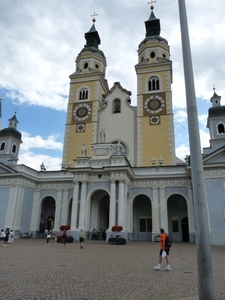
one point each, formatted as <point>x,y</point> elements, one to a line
<point>204,259</point>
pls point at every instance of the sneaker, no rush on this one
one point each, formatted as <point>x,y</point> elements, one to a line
<point>168,269</point>
<point>157,268</point>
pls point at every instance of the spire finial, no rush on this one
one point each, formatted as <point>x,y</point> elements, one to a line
<point>15,111</point>
<point>94,15</point>
<point>152,6</point>
<point>214,88</point>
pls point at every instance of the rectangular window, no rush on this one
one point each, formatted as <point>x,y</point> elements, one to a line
<point>175,225</point>
<point>145,224</point>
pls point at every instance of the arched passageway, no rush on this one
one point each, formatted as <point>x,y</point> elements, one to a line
<point>47,217</point>
<point>142,218</point>
<point>178,218</point>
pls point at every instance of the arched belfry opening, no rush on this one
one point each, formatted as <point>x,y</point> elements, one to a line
<point>178,218</point>
<point>142,218</point>
<point>47,217</point>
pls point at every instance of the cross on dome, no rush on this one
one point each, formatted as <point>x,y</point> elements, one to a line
<point>152,6</point>
<point>94,15</point>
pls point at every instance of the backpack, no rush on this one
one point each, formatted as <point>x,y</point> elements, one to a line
<point>168,242</point>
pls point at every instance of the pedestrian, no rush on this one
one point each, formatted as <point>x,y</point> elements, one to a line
<point>2,237</point>
<point>64,236</point>
<point>48,237</point>
<point>11,237</point>
<point>81,238</point>
<point>94,234</point>
<point>6,239</point>
<point>163,248</point>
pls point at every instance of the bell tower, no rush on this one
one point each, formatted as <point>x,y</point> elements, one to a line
<point>155,128</point>
<point>87,87</point>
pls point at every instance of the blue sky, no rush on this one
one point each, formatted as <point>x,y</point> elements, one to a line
<point>41,39</point>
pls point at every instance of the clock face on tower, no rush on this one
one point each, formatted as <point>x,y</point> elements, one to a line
<point>154,104</point>
<point>82,112</point>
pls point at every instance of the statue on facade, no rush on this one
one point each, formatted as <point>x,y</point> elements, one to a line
<point>84,150</point>
<point>119,148</point>
<point>102,136</point>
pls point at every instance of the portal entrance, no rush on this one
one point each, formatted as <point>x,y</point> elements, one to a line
<point>142,218</point>
<point>47,214</point>
<point>177,218</point>
<point>99,212</point>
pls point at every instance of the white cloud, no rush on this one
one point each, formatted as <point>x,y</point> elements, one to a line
<point>34,161</point>
<point>38,142</point>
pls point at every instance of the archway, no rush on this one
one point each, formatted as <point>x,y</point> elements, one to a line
<point>177,212</point>
<point>185,229</point>
<point>142,218</point>
<point>47,214</point>
<point>99,212</point>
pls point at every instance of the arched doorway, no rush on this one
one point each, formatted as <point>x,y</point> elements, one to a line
<point>47,214</point>
<point>185,229</point>
<point>177,218</point>
<point>99,212</point>
<point>142,218</point>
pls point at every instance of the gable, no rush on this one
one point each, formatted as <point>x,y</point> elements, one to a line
<point>5,169</point>
<point>217,156</point>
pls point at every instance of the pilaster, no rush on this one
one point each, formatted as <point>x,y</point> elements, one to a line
<point>75,206</point>
<point>112,204</point>
<point>82,205</point>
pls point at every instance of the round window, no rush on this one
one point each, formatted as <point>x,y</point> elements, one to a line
<point>152,54</point>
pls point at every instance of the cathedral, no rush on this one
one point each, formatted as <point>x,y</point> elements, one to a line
<point>119,165</point>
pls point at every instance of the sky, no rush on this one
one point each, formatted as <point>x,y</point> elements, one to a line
<point>40,41</point>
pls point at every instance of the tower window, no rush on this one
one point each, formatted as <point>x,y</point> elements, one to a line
<point>153,83</point>
<point>116,106</point>
<point>86,65</point>
<point>152,54</point>
<point>83,94</point>
<point>2,146</point>
<point>221,129</point>
<point>14,149</point>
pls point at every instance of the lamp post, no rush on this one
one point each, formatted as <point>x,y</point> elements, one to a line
<point>204,260</point>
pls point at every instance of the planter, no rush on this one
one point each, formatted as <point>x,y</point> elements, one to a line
<point>117,241</point>
<point>157,239</point>
<point>69,239</point>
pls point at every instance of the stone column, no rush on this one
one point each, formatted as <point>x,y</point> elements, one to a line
<point>15,224</point>
<point>12,203</point>
<point>57,220</point>
<point>82,205</point>
<point>112,204</point>
<point>74,213</point>
<point>191,219</point>
<point>121,217</point>
<point>155,212</point>
<point>164,212</point>
<point>35,215</point>
<point>65,207</point>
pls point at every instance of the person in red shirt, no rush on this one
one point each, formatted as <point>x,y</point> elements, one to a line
<point>163,248</point>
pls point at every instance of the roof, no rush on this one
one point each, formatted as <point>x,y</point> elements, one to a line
<point>216,111</point>
<point>6,132</point>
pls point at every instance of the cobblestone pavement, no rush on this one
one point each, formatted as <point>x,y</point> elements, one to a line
<point>33,270</point>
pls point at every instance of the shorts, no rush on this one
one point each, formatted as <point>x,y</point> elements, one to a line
<point>81,239</point>
<point>167,252</point>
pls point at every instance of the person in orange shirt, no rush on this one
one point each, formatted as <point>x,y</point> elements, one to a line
<point>163,248</point>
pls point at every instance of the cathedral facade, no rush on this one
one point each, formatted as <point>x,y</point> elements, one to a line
<point>119,165</point>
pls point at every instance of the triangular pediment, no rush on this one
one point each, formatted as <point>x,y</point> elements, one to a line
<point>215,157</point>
<point>6,169</point>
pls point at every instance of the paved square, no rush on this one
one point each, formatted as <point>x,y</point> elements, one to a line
<point>31,269</point>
